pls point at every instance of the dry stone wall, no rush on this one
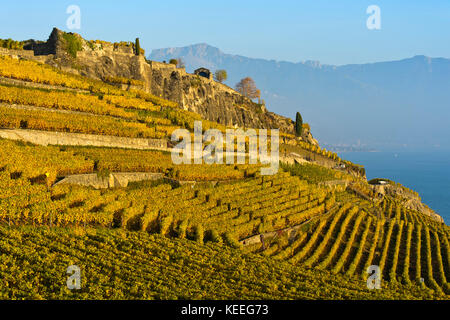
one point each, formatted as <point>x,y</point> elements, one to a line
<point>46,138</point>
<point>114,180</point>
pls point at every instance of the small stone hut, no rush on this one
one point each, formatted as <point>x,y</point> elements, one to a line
<point>203,72</point>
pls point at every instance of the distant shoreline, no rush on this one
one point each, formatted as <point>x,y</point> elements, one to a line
<point>350,149</point>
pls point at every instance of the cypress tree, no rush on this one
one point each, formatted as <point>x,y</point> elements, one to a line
<point>138,47</point>
<point>298,124</point>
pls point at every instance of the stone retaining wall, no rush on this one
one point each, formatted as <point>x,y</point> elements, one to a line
<point>114,180</point>
<point>26,54</point>
<point>79,139</point>
<point>20,53</point>
<point>256,239</point>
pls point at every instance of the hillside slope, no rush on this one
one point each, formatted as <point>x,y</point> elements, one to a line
<point>317,222</point>
<point>124,265</point>
<point>107,61</point>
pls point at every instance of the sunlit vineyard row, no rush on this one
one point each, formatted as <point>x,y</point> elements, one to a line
<point>123,160</point>
<point>98,105</point>
<point>315,152</point>
<point>45,163</point>
<point>226,208</point>
<point>392,208</point>
<point>315,173</point>
<point>40,73</point>
<point>156,119</point>
<point>318,150</point>
<point>74,123</point>
<point>32,161</point>
<point>134,99</point>
<point>61,100</point>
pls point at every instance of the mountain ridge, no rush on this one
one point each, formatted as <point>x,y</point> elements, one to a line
<point>205,46</point>
<point>413,91</point>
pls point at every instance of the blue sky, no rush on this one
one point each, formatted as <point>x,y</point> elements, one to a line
<point>333,32</point>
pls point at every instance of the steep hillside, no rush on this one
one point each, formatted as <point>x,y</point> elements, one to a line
<point>108,61</point>
<point>98,188</point>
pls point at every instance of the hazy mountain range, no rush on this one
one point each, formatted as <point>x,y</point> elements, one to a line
<point>385,105</point>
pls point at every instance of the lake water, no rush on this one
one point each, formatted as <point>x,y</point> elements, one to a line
<point>426,173</point>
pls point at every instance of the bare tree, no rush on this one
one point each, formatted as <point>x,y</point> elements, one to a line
<point>247,87</point>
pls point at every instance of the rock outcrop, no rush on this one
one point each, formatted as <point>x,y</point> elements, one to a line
<point>211,99</point>
<point>409,199</point>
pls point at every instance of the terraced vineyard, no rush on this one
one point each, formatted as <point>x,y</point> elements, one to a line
<point>135,113</point>
<point>131,113</point>
<point>132,265</point>
<point>122,160</point>
<point>342,237</point>
<point>275,201</point>
<point>307,232</point>
<point>407,248</point>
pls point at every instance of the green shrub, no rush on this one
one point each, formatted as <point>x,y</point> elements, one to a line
<point>221,75</point>
<point>73,44</point>
<point>11,44</point>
